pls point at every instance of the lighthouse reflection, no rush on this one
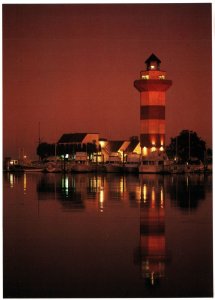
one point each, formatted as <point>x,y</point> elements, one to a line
<point>152,247</point>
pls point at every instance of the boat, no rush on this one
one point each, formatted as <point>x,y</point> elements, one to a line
<point>155,162</point>
<point>132,163</point>
<point>194,165</point>
<point>81,168</point>
<point>114,163</point>
<point>53,165</point>
<point>175,168</point>
<point>97,163</point>
<point>34,166</point>
<point>30,166</point>
<point>33,169</point>
<point>208,165</point>
<point>81,163</point>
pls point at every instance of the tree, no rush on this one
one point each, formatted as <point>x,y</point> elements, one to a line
<point>186,146</point>
<point>44,150</point>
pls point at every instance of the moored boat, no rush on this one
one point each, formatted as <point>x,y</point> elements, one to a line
<point>81,164</point>
<point>53,167</point>
<point>176,168</point>
<point>114,164</point>
<point>155,162</point>
<point>132,163</point>
<point>194,166</point>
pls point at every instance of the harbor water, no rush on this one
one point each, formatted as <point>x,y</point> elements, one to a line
<point>107,235</point>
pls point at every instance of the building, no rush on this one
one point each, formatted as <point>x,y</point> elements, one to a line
<point>79,138</point>
<point>152,86</point>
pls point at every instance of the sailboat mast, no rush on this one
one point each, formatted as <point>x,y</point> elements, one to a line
<point>189,146</point>
<point>39,140</point>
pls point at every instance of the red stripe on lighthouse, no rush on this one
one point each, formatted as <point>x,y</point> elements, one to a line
<point>152,112</point>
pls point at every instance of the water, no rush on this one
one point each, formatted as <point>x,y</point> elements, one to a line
<point>90,235</point>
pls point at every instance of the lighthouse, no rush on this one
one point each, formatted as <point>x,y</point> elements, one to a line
<point>152,86</point>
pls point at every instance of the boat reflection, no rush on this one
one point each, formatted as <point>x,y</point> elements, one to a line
<point>80,191</point>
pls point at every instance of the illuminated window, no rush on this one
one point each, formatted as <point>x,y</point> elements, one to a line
<point>161,77</point>
<point>161,148</point>
<point>152,67</point>
<point>153,149</point>
<point>145,77</point>
<point>145,151</point>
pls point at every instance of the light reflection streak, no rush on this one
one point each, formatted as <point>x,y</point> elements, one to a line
<point>25,183</point>
<point>101,199</point>
<point>162,198</point>
<point>66,186</point>
<point>144,193</point>
<point>153,197</point>
<point>12,179</point>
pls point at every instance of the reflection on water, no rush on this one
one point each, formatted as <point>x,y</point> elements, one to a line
<point>143,226</point>
<point>74,190</point>
<point>152,231</point>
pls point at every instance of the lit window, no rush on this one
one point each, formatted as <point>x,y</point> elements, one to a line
<point>145,151</point>
<point>161,77</point>
<point>152,67</point>
<point>145,77</point>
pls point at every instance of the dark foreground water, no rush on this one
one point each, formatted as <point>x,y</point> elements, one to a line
<point>108,235</point>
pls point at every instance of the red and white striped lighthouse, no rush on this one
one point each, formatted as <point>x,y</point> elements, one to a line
<point>152,86</point>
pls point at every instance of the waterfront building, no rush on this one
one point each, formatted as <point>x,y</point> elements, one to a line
<point>79,142</point>
<point>152,86</point>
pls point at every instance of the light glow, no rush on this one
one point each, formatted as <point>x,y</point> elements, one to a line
<point>102,144</point>
<point>145,151</point>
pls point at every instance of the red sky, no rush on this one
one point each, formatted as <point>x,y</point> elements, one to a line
<point>72,67</point>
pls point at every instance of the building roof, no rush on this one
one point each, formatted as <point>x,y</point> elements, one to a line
<point>151,58</point>
<point>133,144</point>
<point>72,138</point>
<point>114,146</point>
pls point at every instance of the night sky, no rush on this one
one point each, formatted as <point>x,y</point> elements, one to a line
<point>71,68</point>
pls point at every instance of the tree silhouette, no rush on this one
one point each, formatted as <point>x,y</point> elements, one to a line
<point>45,150</point>
<point>186,146</point>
